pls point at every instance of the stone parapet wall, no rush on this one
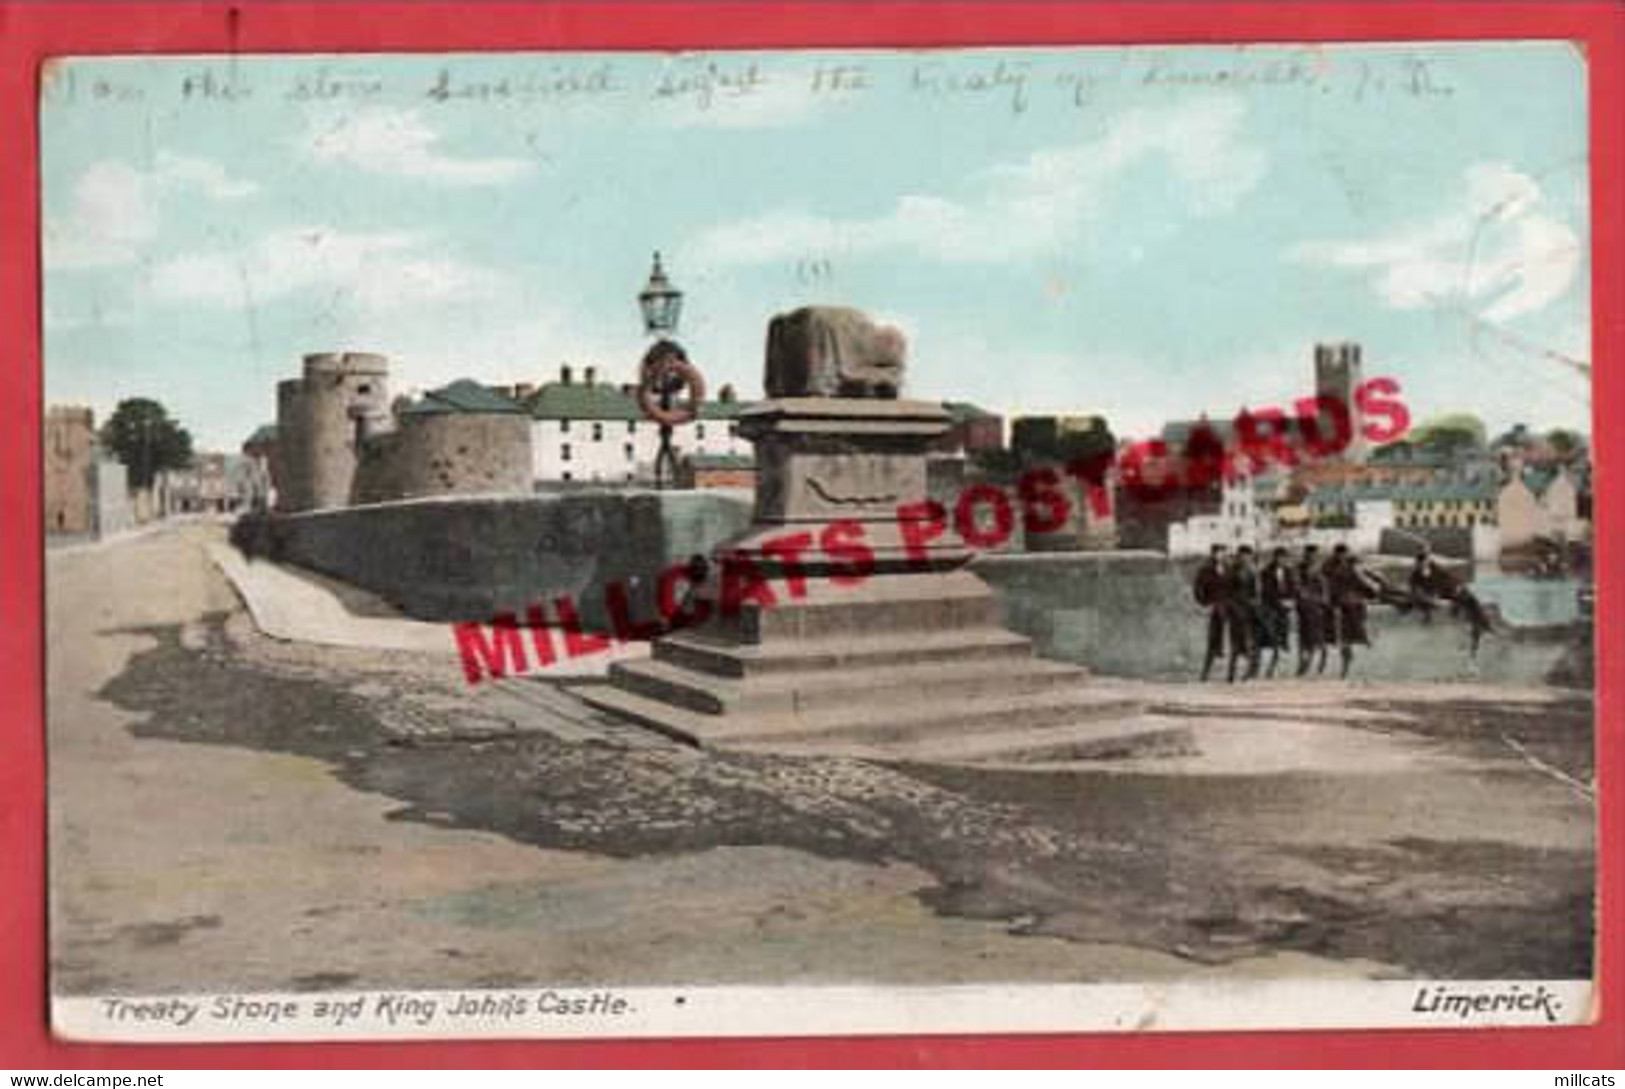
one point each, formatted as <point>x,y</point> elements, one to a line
<point>1122,613</point>
<point>1131,614</point>
<point>472,557</point>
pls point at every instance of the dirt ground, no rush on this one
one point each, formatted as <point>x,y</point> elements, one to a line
<point>232,813</point>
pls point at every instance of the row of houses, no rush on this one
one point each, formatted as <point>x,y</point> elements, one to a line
<point>591,431</point>
<point>87,493</point>
<point>1482,512</point>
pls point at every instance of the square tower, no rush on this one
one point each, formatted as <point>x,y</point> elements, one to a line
<point>1338,374</point>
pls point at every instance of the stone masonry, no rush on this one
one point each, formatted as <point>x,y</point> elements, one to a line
<point>903,656</point>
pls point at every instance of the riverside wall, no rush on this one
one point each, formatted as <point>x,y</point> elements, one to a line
<point>1131,614</point>
<point>1121,613</point>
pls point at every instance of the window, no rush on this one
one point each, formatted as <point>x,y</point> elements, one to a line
<point>733,430</point>
<point>628,448</point>
<point>567,475</point>
<point>699,431</point>
<point>631,427</point>
<point>564,427</point>
<point>597,432</point>
<point>564,452</point>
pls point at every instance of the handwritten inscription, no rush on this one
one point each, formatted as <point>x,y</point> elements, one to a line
<point>209,85</point>
<point>1004,80</point>
<point>1012,84</point>
<point>327,85</point>
<point>701,84</point>
<point>839,79</point>
<point>453,85</point>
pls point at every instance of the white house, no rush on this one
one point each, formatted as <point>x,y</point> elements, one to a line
<point>1241,519</point>
<point>1249,513</point>
<point>592,431</point>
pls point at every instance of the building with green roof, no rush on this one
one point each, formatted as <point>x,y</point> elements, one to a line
<point>587,430</point>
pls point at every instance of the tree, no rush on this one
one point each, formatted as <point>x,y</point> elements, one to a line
<point>1565,444</point>
<point>1456,432</point>
<point>141,434</point>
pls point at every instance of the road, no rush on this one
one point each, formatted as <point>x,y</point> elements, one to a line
<point>228,812</point>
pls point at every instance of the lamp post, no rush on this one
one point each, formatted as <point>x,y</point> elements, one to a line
<point>666,370</point>
<point>661,303</point>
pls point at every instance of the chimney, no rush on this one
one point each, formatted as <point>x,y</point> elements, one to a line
<point>726,394</point>
<point>591,375</point>
<point>564,374</point>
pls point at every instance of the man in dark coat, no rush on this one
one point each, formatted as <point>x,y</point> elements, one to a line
<point>1352,588</point>
<point>1314,611</point>
<point>1245,607</point>
<point>1212,590</point>
<point>1277,589</point>
<point>1430,584</point>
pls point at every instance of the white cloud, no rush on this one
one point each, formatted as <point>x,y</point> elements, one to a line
<point>115,207</point>
<point>1026,209</point>
<point>206,176</point>
<point>368,272</point>
<point>436,315</point>
<point>389,140</point>
<point>1498,251</point>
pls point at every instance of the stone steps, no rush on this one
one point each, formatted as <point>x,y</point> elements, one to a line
<point>724,658</point>
<point>866,685</point>
<point>904,605</point>
<point>1010,721</point>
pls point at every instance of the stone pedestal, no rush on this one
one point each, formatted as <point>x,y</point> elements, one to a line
<point>807,650</point>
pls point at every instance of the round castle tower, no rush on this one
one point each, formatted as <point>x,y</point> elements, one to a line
<point>322,419</point>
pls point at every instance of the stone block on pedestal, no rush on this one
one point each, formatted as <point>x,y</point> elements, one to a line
<point>844,621</point>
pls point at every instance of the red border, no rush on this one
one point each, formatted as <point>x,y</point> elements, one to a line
<point>30,31</point>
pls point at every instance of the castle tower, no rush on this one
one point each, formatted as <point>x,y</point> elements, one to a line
<point>322,420</point>
<point>1338,374</point>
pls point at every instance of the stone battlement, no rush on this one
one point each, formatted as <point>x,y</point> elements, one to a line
<point>346,363</point>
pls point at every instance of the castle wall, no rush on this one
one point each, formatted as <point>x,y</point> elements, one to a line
<point>376,478</point>
<point>290,459</point>
<point>343,397</point>
<point>464,454</point>
<point>451,453</point>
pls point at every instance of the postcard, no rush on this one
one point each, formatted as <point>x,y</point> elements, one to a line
<point>548,544</point>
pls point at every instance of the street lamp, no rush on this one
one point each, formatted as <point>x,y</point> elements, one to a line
<point>661,303</point>
<point>666,370</point>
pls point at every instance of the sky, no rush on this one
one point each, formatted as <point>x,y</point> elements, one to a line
<point>1145,233</point>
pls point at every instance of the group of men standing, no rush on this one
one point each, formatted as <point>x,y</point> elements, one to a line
<point>1254,609</point>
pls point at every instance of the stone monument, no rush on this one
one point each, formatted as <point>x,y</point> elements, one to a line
<point>845,620</point>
